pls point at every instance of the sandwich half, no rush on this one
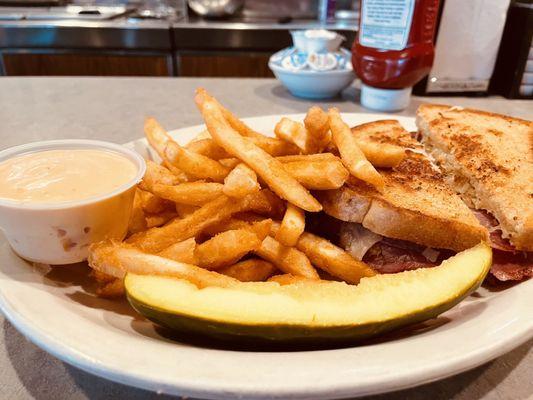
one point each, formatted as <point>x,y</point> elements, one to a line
<point>415,221</point>
<point>488,159</point>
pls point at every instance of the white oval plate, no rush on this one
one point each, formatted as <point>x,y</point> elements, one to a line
<point>106,338</point>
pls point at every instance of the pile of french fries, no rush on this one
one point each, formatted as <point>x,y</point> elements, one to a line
<point>230,206</point>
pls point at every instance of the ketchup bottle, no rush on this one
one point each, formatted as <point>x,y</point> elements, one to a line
<point>393,50</point>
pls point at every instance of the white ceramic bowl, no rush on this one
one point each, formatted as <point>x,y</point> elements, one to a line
<point>313,84</point>
<point>60,233</point>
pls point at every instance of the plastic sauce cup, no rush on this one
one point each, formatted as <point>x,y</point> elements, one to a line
<point>60,233</point>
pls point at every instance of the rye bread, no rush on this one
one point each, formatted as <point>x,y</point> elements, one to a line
<point>416,204</point>
<point>489,161</point>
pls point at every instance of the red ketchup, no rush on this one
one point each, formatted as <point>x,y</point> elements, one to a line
<point>393,50</point>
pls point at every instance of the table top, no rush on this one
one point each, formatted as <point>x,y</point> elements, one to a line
<point>113,109</point>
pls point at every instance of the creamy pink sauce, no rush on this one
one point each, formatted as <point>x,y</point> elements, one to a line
<point>53,176</point>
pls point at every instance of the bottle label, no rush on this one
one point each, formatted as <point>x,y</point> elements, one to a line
<point>385,24</point>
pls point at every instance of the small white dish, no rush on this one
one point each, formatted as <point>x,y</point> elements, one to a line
<point>60,233</point>
<point>316,40</point>
<point>310,84</point>
<point>108,339</point>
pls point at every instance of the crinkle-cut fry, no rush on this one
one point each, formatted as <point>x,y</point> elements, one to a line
<point>351,155</point>
<point>226,248</point>
<point>289,279</point>
<point>330,258</point>
<point>295,132</point>
<point>382,155</point>
<point>181,251</point>
<point>156,173</point>
<point>240,182</point>
<point>137,221</point>
<point>196,165</point>
<point>292,226</point>
<point>208,148</point>
<point>317,124</point>
<point>192,193</point>
<point>111,290</point>
<point>120,259</point>
<point>287,259</point>
<point>318,175</point>
<point>309,157</point>
<point>184,210</point>
<point>267,167</point>
<point>251,270</point>
<point>216,211</point>
<point>155,220</point>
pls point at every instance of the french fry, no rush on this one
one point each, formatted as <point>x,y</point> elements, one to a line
<point>318,175</point>
<point>197,165</point>
<point>351,155</point>
<point>273,146</point>
<point>240,182</point>
<point>137,221</point>
<point>267,167</point>
<point>309,157</point>
<point>157,239</point>
<point>235,122</point>
<point>181,251</point>
<point>182,176</point>
<point>153,204</point>
<point>118,259</point>
<point>330,258</point>
<point>208,148</point>
<point>155,220</point>
<point>191,193</point>
<point>216,211</point>
<point>111,290</point>
<point>226,248</point>
<point>317,124</point>
<point>288,279</point>
<point>184,210</point>
<point>295,132</point>
<point>230,163</point>
<point>292,226</point>
<point>263,202</point>
<point>251,270</point>
<point>156,173</point>
<point>287,259</point>
<point>383,155</point>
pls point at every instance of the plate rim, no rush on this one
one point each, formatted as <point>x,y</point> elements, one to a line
<point>401,381</point>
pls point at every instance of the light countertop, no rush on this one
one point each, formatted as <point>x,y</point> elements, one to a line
<point>113,109</point>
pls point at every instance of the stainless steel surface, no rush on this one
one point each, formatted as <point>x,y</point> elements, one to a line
<point>238,34</point>
<point>73,12</point>
<point>246,34</point>
<point>215,8</point>
<point>119,34</point>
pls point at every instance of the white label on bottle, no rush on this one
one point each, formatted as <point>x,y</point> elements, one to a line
<point>385,24</point>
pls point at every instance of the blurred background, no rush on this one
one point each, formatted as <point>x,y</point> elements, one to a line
<point>482,46</point>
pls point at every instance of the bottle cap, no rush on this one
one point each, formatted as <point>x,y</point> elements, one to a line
<point>385,99</point>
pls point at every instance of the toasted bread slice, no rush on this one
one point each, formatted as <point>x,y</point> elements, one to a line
<point>415,205</point>
<point>489,159</point>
